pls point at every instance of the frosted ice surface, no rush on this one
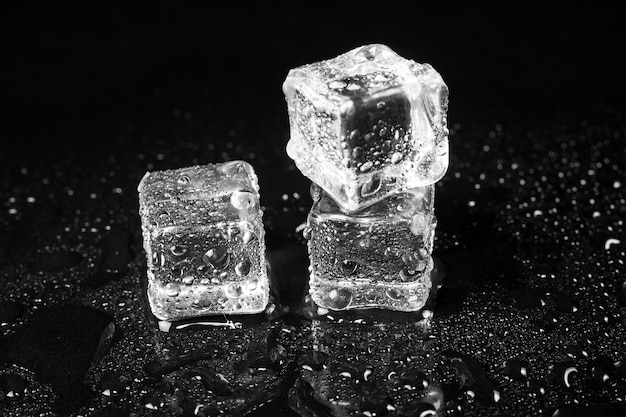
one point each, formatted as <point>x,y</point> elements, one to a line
<point>377,257</point>
<point>367,123</point>
<point>204,241</point>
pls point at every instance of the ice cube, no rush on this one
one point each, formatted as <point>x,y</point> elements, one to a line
<point>367,123</point>
<point>377,257</point>
<point>204,241</point>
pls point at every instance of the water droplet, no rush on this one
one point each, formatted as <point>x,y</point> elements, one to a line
<point>252,284</point>
<point>242,200</point>
<point>369,137</point>
<point>248,237</point>
<point>184,179</point>
<point>188,280</point>
<point>355,135</point>
<point>420,224</point>
<point>357,153</point>
<point>338,299</point>
<point>172,289</point>
<point>563,373</point>
<point>367,166</point>
<point>178,250</point>
<point>396,157</point>
<point>243,268</point>
<point>233,291</point>
<point>217,257</point>
<point>414,379</point>
<point>348,267</point>
<point>394,294</point>
<point>371,186</point>
<point>383,132</point>
<point>516,369</point>
<point>158,259</point>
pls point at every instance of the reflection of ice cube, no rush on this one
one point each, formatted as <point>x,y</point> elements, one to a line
<point>367,123</point>
<point>204,241</point>
<point>377,257</point>
<point>368,369</point>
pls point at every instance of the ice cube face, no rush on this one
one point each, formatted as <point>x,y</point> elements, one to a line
<point>204,241</point>
<point>377,257</point>
<point>366,124</point>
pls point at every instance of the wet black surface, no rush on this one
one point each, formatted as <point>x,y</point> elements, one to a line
<point>530,244</point>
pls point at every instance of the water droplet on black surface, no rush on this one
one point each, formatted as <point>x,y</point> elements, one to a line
<point>113,384</point>
<point>414,379</point>
<point>313,361</point>
<point>471,376</point>
<point>564,373</point>
<point>13,387</point>
<point>516,369</point>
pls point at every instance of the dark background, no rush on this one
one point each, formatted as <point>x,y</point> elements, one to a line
<point>98,94</point>
<point>70,68</point>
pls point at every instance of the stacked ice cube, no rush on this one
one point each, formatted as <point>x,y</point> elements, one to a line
<point>369,129</point>
<point>204,241</point>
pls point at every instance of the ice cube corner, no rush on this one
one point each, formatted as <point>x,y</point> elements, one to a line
<point>204,241</point>
<point>367,123</point>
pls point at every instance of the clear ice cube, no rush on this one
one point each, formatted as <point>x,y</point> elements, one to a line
<point>367,123</point>
<point>377,257</point>
<point>204,241</point>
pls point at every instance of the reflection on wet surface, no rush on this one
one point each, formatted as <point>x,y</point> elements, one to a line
<point>529,319</point>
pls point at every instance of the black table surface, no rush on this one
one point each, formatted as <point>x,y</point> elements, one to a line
<point>529,249</point>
